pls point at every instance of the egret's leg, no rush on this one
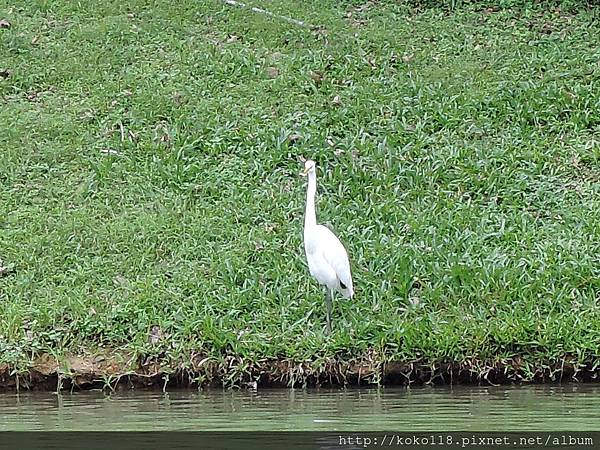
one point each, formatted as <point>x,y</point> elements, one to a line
<point>329,307</point>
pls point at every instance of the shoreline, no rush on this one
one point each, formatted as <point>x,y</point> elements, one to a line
<point>82,372</point>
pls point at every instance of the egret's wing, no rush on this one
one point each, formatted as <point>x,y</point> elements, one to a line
<point>335,255</point>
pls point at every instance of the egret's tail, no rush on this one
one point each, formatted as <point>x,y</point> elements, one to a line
<point>345,288</point>
<point>347,292</point>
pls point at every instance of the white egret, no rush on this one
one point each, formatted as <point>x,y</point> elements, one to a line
<point>326,256</point>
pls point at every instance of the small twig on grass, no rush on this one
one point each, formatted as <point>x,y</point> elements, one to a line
<point>268,13</point>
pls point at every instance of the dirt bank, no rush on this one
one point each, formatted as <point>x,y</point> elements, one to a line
<point>113,370</point>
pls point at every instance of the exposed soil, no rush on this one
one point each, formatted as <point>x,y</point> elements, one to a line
<point>113,370</point>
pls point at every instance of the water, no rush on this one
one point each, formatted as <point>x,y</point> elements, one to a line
<point>570,407</point>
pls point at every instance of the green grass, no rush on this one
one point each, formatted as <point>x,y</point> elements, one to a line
<point>147,177</point>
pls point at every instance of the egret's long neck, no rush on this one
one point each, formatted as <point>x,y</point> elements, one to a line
<point>310,218</point>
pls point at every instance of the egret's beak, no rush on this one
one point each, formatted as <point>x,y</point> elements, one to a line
<point>305,172</point>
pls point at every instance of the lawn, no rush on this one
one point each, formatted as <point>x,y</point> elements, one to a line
<point>151,207</point>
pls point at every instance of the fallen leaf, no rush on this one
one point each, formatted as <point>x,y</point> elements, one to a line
<point>5,270</point>
<point>31,96</point>
<point>178,98</point>
<point>408,58</point>
<point>272,72</point>
<point>276,56</point>
<point>320,31</point>
<point>293,138</point>
<point>35,40</point>
<point>4,23</point>
<point>231,39</point>
<point>155,335</point>
<point>336,101</point>
<point>357,23</point>
<point>243,332</point>
<point>86,115</point>
<point>363,7</point>
<point>110,151</point>
<point>317,77</point>
<point>415,301</point>
<point>120,280</point>
<point>491,10</point>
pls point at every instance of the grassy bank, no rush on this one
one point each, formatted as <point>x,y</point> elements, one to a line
<point>151,209</point>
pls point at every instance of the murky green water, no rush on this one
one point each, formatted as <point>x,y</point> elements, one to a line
<point>544,408</point>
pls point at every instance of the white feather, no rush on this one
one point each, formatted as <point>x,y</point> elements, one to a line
<point>326,256</point>
<point>328,260</point>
